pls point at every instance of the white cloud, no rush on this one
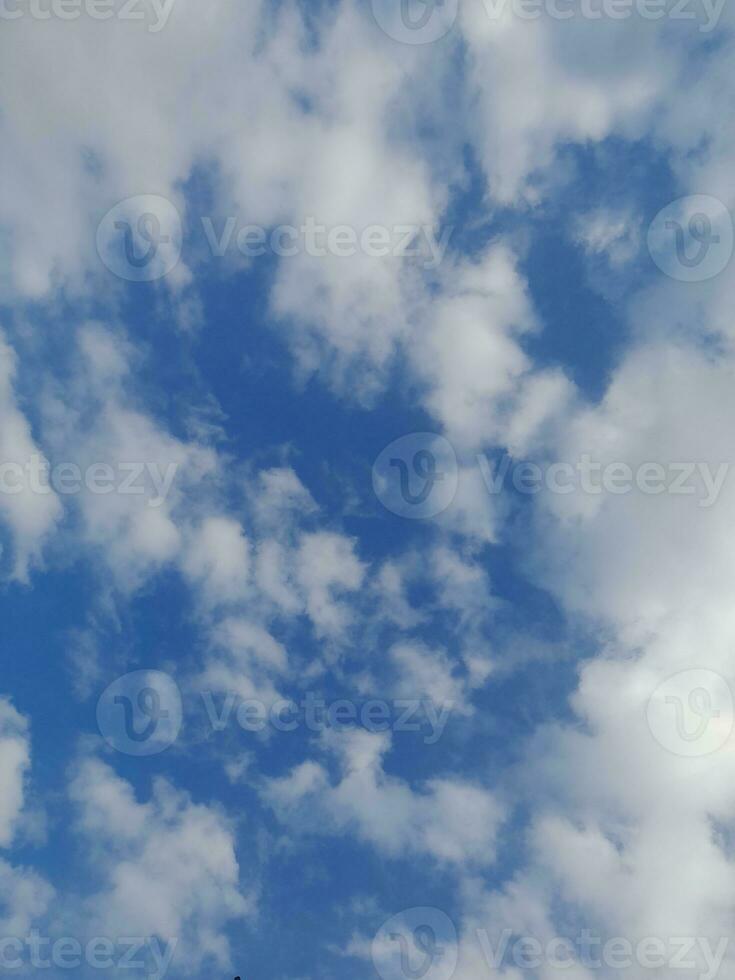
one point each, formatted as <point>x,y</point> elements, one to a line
<point>24,898</point>
<point>96,419</point>
<point>168,866</point>
<point>334,126</point>
<point>277,496</point>
<point>15,758</point>
<point>545,82</point>
<point>31,516</point>
<point>327,570</point>
<point>641,850</point>
<point>469,352</point>
<point>664,553</point>
<point>425,673</point>
<point>615,235</point>
<point>454,821</point>
<point>218,557</point>
<point>246,661</point>
<point>24,895</point>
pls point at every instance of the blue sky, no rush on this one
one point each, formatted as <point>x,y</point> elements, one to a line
<point>449,456</point>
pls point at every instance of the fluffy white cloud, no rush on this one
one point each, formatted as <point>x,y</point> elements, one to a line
<point>470,352</point>
<point>629,828</point>
<point>24,895</point>
<point>24,898</point>
<point>168,866</point>
<point>665,546</point>
<point>218,557</point>
<point>328,569</point>
<point>539,83</point>
<point>15,758</point>
<point>454,821</point>
<point>131,474</point>
<point>615,235</point>
<point>245,662</point>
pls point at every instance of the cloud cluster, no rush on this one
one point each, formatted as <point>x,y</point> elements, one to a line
<point>275,114</point>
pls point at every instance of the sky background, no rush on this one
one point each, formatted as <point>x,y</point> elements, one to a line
<point>551,655</point>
